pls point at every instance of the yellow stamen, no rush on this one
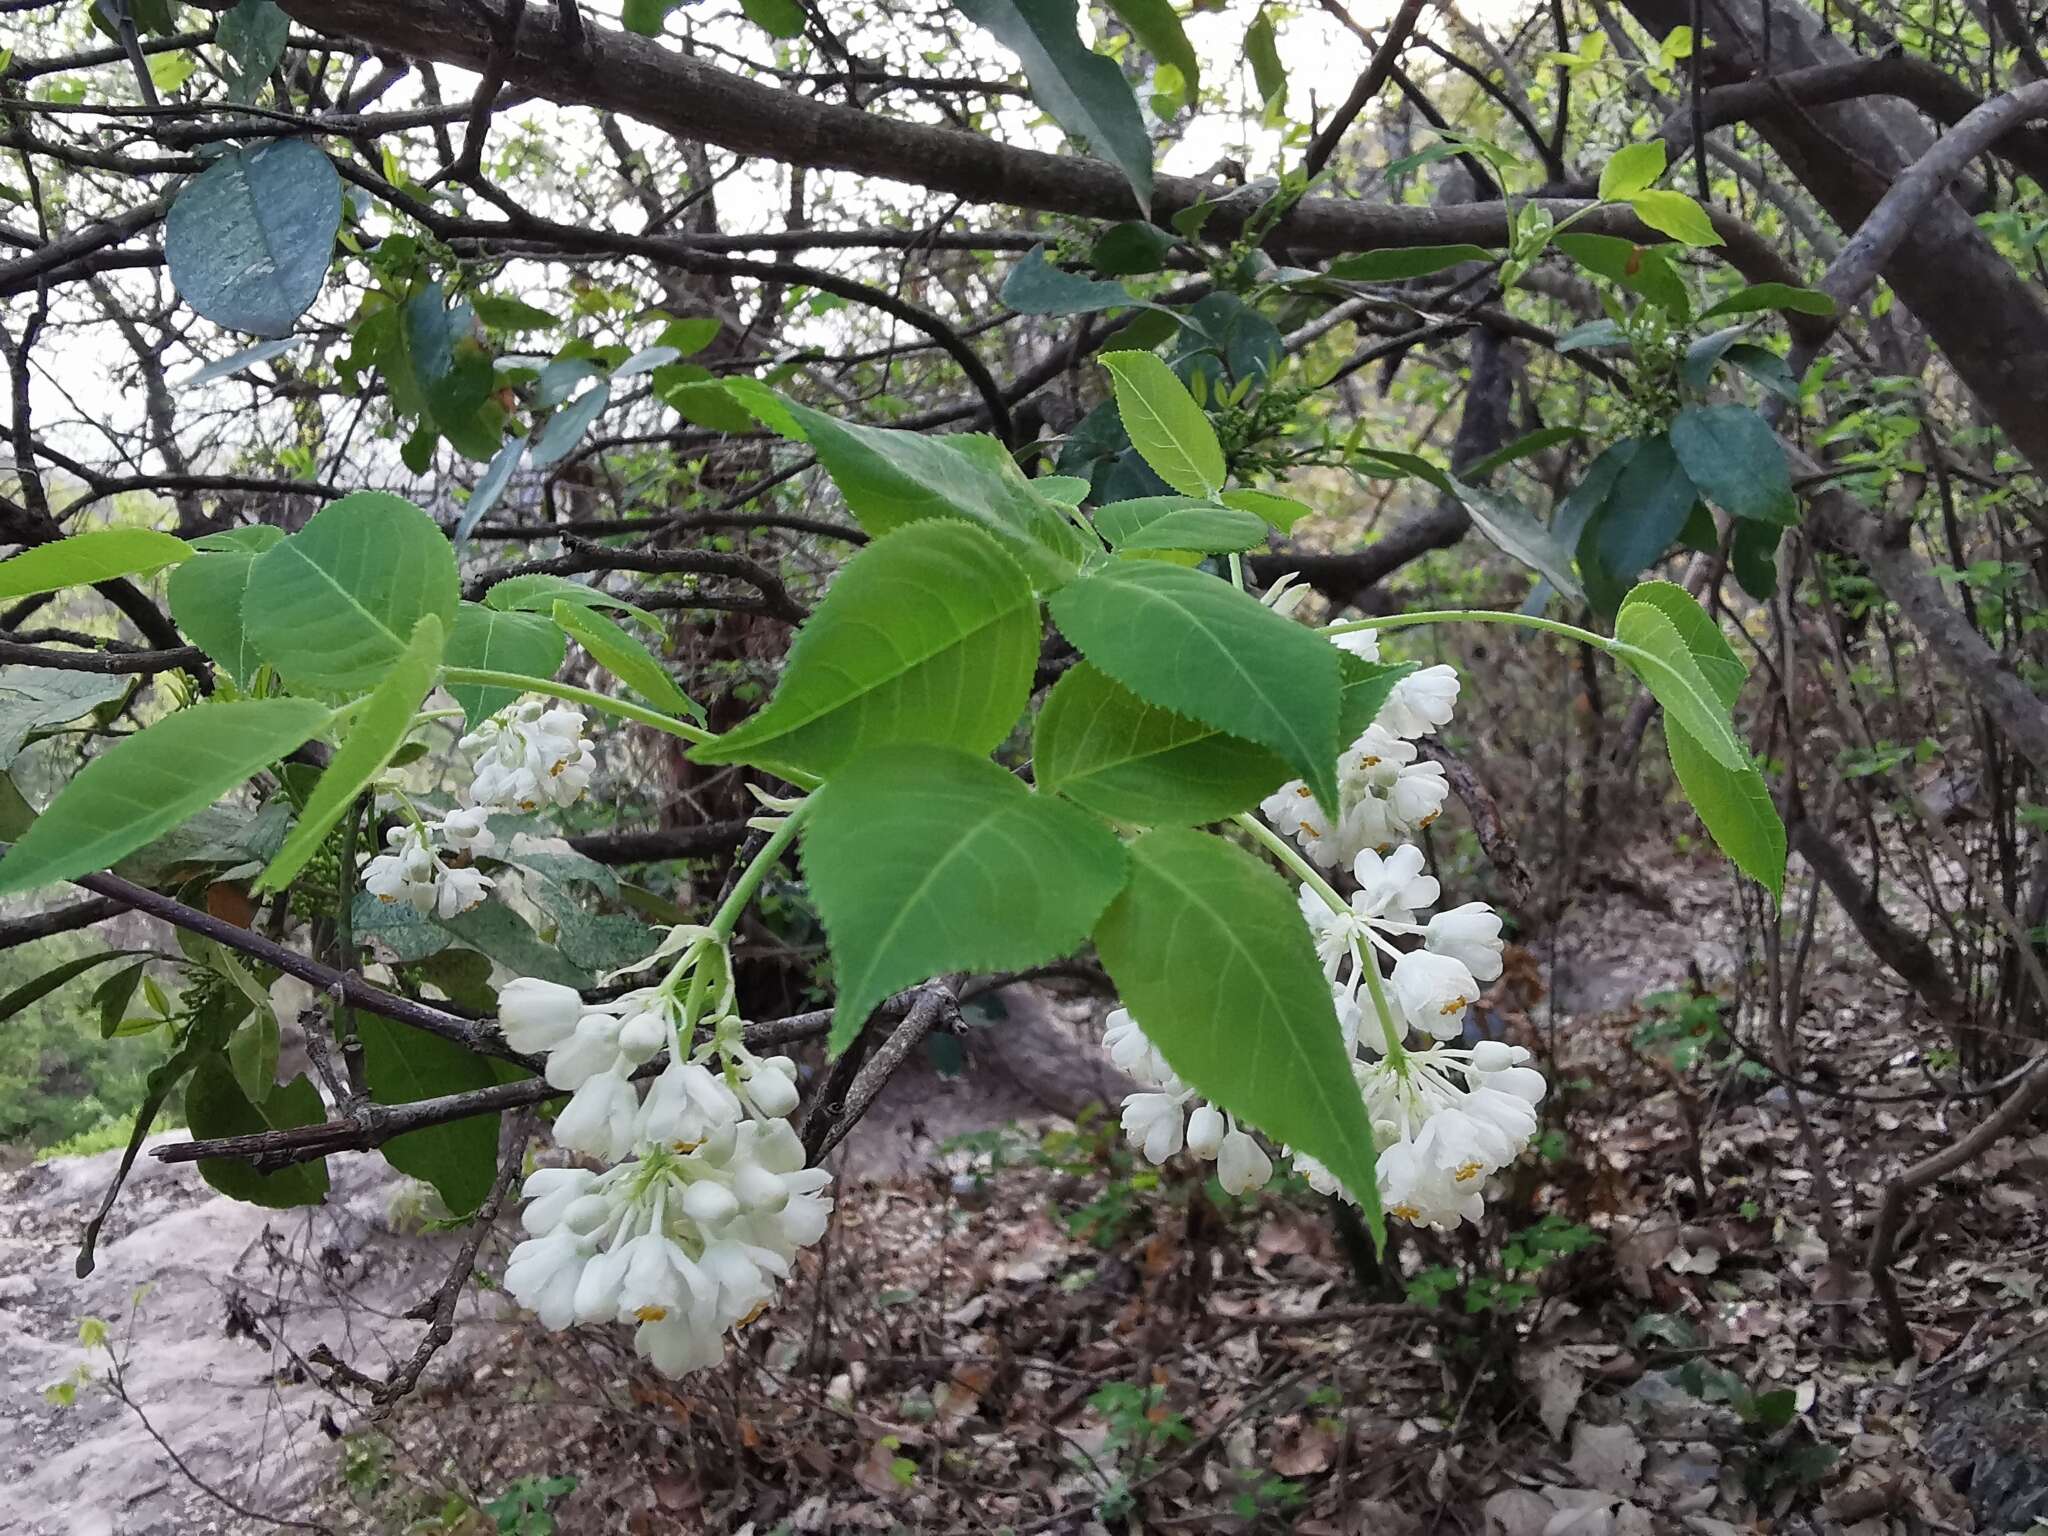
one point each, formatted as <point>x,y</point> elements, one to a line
<point>1405,1212</point>
<point>759,1308</point>
<point>1468,1172</point>
<point>651,1314</point>
<point>1454,1005</point>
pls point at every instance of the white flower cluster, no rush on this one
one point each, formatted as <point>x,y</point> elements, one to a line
<point>1167,1116</point>
<point>1385,795</point>
<point>1444,1118</point>
<point>528,753</point>
<point>707,1199</point>
<point>414,871</point>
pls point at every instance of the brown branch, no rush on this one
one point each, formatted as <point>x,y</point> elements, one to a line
<point>1369,85</point>
<point>2007,1117</point>
<point>1912,79</point>
<point>113,663</point>
<point>935,1005</point>
<point>641,78</point>
<point>1495,838</point>
<point>438,1310</point>
<point>477,1035</point>
<point>41,925</point>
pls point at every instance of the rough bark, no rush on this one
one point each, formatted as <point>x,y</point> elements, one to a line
<point>1848,154</point>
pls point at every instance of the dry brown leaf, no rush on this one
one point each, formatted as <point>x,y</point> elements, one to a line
<point>1607,1456</point>
<point>1303,1449</point>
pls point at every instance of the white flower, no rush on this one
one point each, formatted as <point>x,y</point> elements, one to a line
<point>1414,1190</point>
<point>1392,889</point>
<point>537,1015</point>
<point>1470,935</point>
<point>528,755</point>
<point>1421,702</point>
<point>1241,1163</point>
<point>467,829</point>
<point>687,1104</point>
<point>685,1245</point>
<point>1433,992</point>
<point>543,1272</point>
<point>1359,642</point>
<point>1157,1122</point>
<point>406,873</point>
<point>1416,797</point>
<point>1133,1052</point>
<point>457,890</point>
<point>600,1116</point>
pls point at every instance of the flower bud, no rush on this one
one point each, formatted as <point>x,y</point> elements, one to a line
<point>710,1204</point>
<point>1205,1131</point>
<point>642,1035</point>
<point>537,1015</point>
<point>771,1091</point>
<point>1492,1056</point>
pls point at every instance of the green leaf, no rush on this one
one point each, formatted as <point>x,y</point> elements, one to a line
<point>1767,368</point>
<point>32,992</point>
<point>247,241</point>
<point>924,859</point>
<point>490,486</point>
<point>1393,266</point>
<point>253,36</point>
<point>207,594</point>
<point>1530,443</point>
<point>112,997</point>
<point>84,558</point>
<point>620,654</point>
<point>1642,514</point>
<point>1199,647</point>
<point>1036,287</point>
<point>540,593</point>
<point>1367,687</point>
<point>1209,952</point>
<point>1283,512</point>
<point>147,783</point>
<point>252,1055</point>
<point>502,312</point>
<point>491,640</point>
<point>1083,92</point>
<point>930,634</point>
<point>1177,522</point>
<point>1262,49</point>
<point>778,18</point>
<point>404,1065</point>
<point>1103,747</point>
<point>566,427</point>
<point>494,929</point>
<point>1735,459</point>
<point>336,603</point>
<point>235,362</point>
<point>1131,248</point>
<point>215,1106</point>
<point>1168,429</point>
<point>1156,27</point>
<point>375,732</point>
<point>1512,527</point>
<point>1633,169</point>
<point>35,698</point>
<point>1640,269</point>
<point>1766,296</point>
<point>891,479</point>
<point>1652,647</point>
<point>1733,803</point>
<point>1754,557</point>
<point>1675,214</point>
